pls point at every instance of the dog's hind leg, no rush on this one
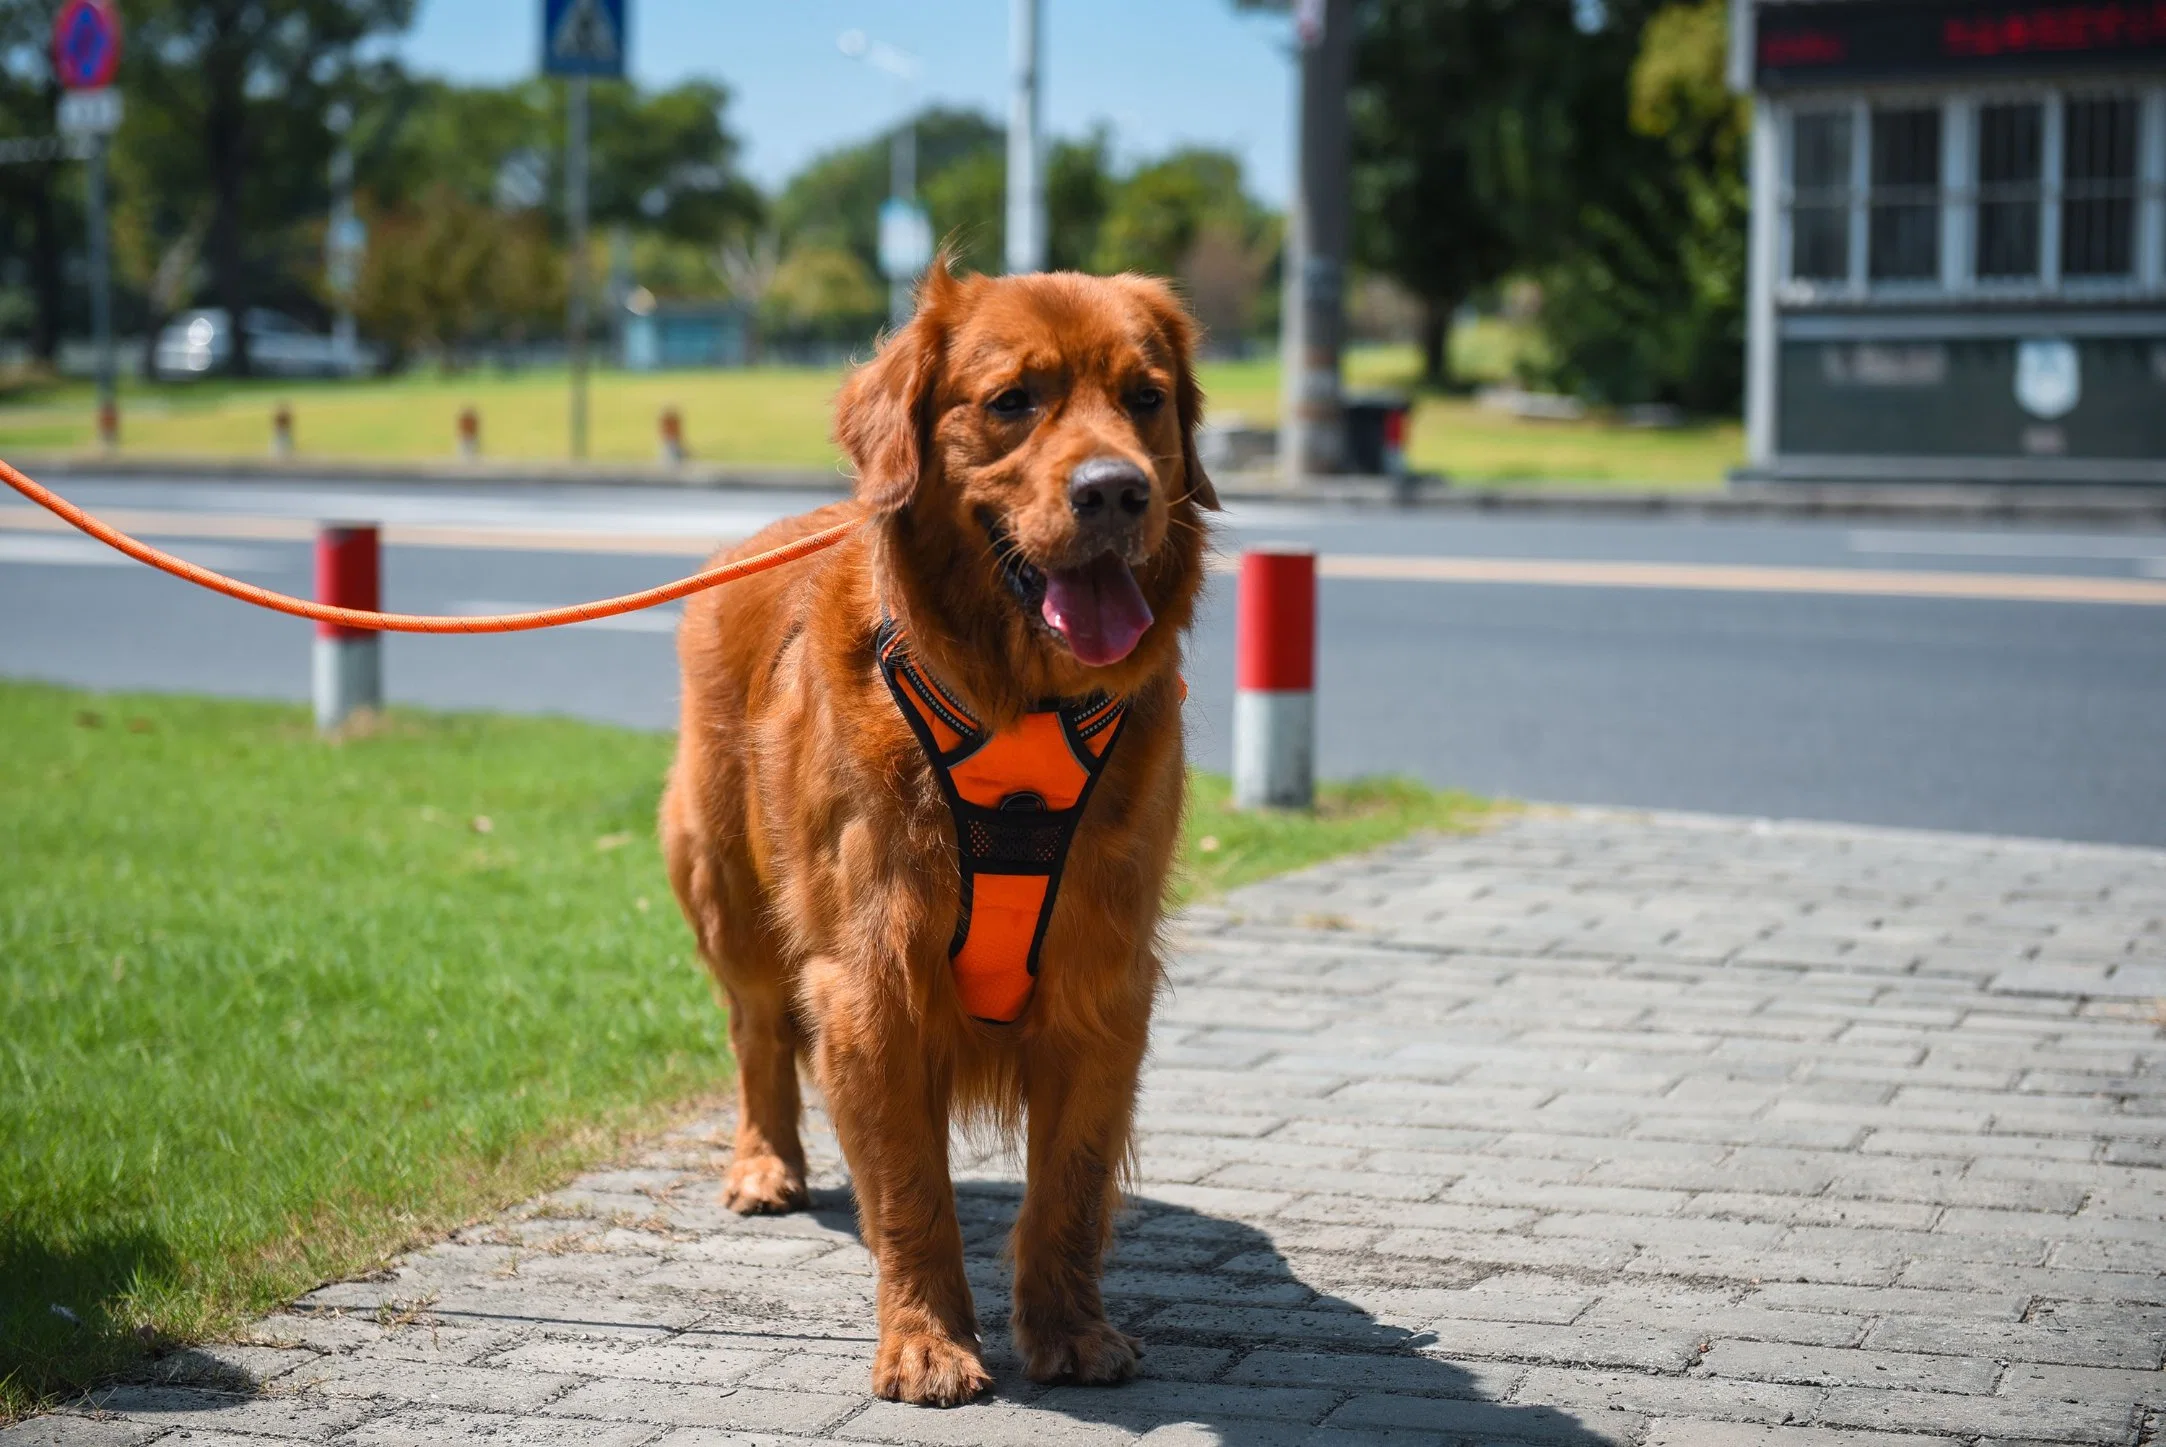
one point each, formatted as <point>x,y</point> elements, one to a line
<point>719,900</point>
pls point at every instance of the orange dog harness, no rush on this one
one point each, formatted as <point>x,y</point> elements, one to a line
<point>1016,797</point>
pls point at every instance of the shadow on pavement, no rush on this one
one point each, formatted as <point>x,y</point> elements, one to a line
<point>1235,1344</point>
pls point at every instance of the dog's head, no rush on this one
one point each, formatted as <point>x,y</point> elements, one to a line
<point>1030,443</point>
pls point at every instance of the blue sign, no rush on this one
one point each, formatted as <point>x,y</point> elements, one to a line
<point>583,37</point>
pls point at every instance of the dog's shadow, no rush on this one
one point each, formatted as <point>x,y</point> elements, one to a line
<point>1235,1343</point>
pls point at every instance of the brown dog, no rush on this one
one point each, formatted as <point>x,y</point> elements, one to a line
<point>1031,500</point>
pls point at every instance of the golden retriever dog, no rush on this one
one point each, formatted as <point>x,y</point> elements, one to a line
<point>927,790</point>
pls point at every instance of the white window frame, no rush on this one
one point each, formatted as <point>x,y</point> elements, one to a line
<point>1959,194</point>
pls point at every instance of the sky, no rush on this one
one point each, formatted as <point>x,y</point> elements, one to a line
<point>1159,73</point>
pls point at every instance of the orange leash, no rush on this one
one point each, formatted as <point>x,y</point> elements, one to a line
<point>202,577</point>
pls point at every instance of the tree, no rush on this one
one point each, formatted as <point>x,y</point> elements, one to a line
<point>824,291</point>
<point>32,225</point>
<point>1479,128</point>
<point>1078,192</point>
<point>1648,304</point>
<point>1187,217</point>
<point>835,200</point>
<point>252,81</point>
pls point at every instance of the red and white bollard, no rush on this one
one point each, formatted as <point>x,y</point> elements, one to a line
<point>109,425</point>
<point>349,668</point>
<point>282,431</point>
<point>469,434</point>
<point>1274,701</point>
<point>672,436</point>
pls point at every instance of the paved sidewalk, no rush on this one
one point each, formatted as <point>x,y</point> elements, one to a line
<point>1595,1128</point>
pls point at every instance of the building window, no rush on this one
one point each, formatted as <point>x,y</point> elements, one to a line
<point>1820,196</point>
<point>2098,187</point>
<point>2011,178</point>
<point>1904,242</point>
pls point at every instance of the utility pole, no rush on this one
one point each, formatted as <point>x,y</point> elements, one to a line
<point>1312,436</point>
<point>1026,239</point>
<point>902,190</point>
<point>906,236</point>
<point>575,206</point>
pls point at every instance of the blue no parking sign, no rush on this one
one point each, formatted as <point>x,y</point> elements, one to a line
<point>583,37</point>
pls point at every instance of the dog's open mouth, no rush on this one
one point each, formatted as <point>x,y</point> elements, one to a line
<point>1096,609</point>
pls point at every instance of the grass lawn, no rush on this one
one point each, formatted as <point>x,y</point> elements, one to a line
<point>777,415</point>
<point>273,1009</point>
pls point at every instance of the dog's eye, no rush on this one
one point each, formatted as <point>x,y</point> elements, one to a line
<point>1147,399</point>
<point>1011,404</point>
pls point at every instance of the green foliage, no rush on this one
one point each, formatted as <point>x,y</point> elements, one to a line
<point>1187,217</point>
<point>1078,193</point>
<point>1479,127</point>
<point>825,292</point>
<point>272,1008</point>
<point>835,200</point>
<point>1649,304</point>
<point>450,273</point>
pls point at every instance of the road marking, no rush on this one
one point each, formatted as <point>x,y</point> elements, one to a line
<point>2139,547</point>
<point>1357,567</point>
<point>1737,578</point>
<point>81,552</point>
<point>251,528</point>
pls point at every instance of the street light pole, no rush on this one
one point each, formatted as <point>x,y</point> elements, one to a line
<point>1312,438</point>
<point>340,251</point>
<point>575,204</point>
<point>902,184</point>
<point>1026,241</point>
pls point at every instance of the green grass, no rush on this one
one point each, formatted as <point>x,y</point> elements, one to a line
<point>273,1009</point>
<point>1225,847</point>
<point>780,416</point>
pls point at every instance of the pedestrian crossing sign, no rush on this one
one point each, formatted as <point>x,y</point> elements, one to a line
<point>583,37</point>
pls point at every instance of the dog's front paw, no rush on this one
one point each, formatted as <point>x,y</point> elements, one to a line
<point>927,1369</point>
<point>1090,1352</point>
<point>763,1186</point>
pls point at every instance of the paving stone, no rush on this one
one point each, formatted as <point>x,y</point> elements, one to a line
<point>427,1426</point>
<point>1594,1127</point>
<point>1827,1367</point>
<point>66,1429</point>
<point>1736,1434</point>
<point>297,1416</point>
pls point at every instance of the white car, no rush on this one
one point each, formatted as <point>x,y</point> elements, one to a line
<point>200,344</point>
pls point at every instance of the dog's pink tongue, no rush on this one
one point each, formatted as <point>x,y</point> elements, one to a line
<point>1098,608</point>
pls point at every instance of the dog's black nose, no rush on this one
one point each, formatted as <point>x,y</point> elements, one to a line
<point>1105,486</point>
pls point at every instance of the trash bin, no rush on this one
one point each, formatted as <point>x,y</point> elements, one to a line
<point>1376,434</point>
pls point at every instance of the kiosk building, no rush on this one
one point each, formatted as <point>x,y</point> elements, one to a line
<point>1958,248</point>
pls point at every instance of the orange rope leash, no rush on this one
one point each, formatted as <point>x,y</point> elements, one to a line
<point>203,577</point>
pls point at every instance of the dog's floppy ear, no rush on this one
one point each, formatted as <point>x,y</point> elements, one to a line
<point>882,418</point>
<point>1179,331</point>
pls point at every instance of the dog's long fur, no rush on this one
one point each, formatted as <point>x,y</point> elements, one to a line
<point>812,852</point>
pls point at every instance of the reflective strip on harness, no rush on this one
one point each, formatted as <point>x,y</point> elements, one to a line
<point>1016,797</point>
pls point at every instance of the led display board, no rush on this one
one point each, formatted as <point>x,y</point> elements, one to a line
<point>1850,40</point>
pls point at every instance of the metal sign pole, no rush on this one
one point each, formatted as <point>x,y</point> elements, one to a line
<point>575,188</point>
<point>101,295</point>
<point>1026,163</point>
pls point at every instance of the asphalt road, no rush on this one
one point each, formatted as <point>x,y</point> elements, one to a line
<point>1759,668</point>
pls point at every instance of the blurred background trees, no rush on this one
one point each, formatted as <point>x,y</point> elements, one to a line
<point>1579,156</point>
